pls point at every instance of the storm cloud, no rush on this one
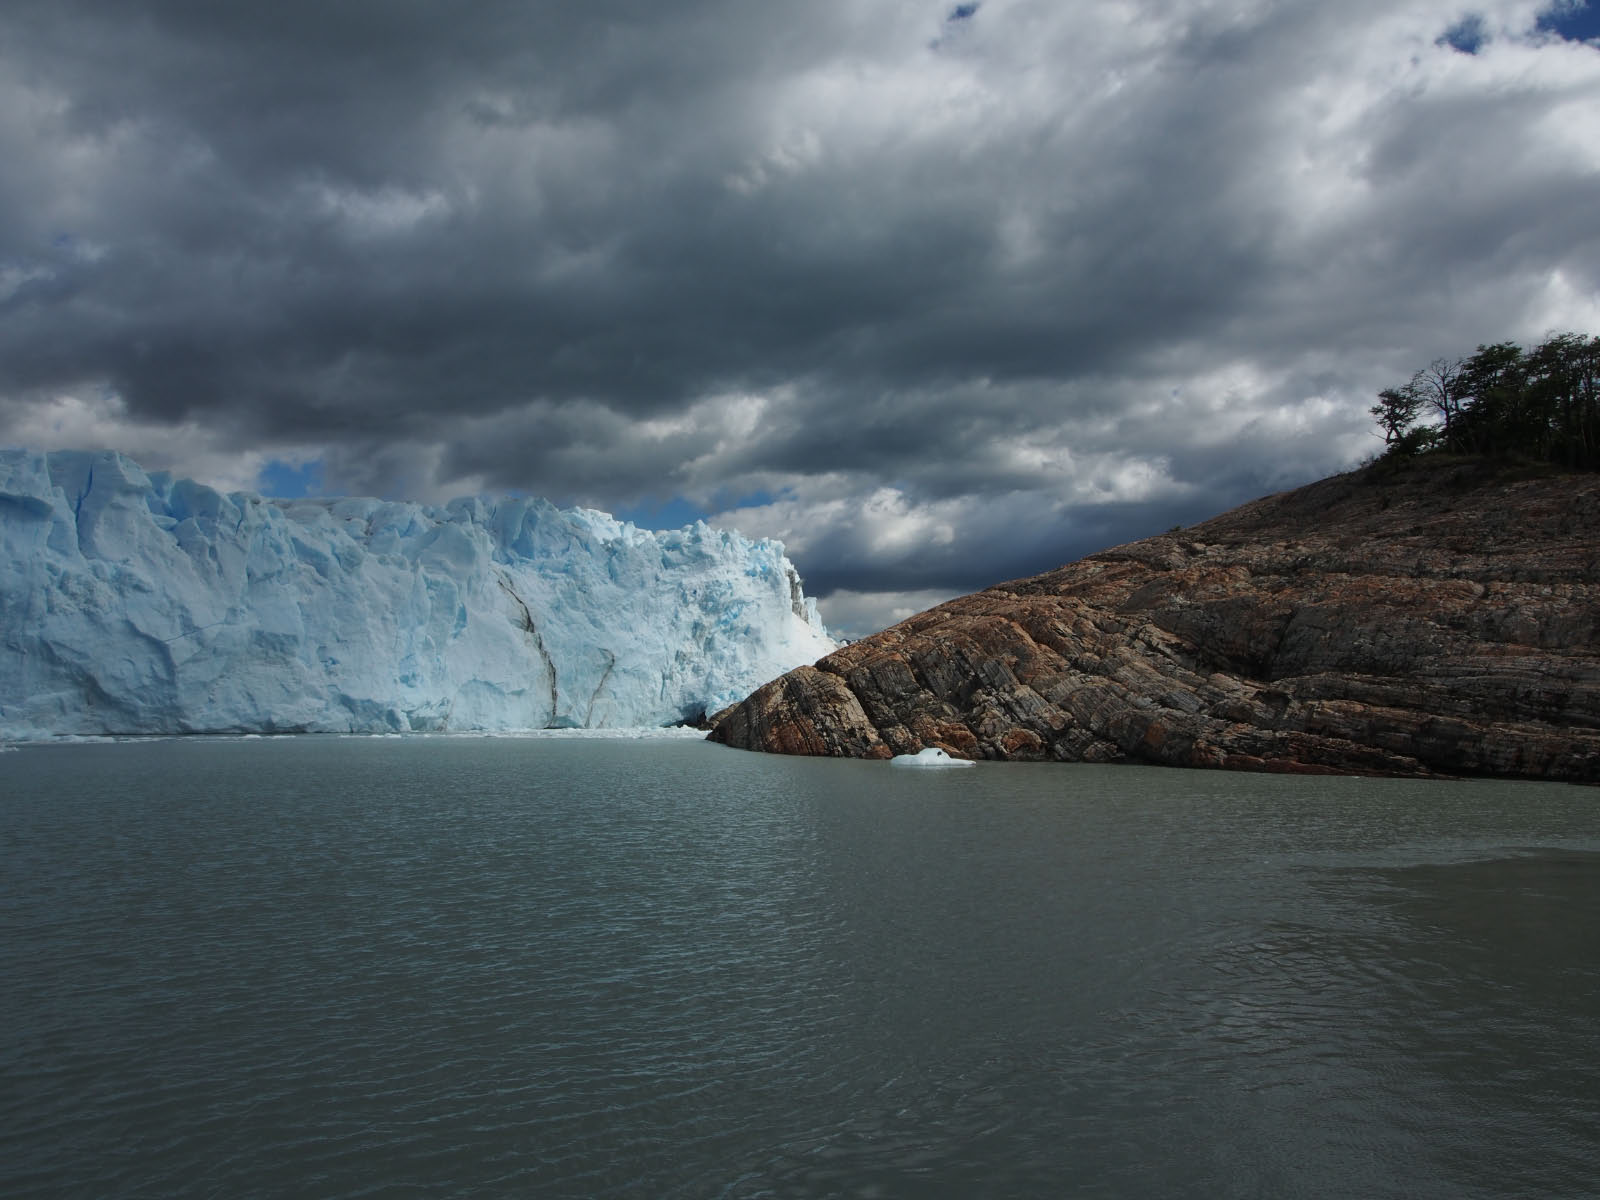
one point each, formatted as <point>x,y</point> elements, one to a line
<point>939,294</point>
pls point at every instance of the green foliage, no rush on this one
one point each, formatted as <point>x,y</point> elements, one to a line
<point>1542,405</point>
<point>1396,411</point>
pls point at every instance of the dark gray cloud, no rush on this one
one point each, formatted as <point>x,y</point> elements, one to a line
<point>939,293</point>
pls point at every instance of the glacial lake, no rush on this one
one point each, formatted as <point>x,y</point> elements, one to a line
<point>565,967</point>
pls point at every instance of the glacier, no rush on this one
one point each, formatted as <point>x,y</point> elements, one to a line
<point>138,603</point>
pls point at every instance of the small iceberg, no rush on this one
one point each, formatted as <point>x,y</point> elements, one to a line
<point>932,756</point>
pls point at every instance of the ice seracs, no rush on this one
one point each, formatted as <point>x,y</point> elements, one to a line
<point>133,602</point>
<point>929,756</point>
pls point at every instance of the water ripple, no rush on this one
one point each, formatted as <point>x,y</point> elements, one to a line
<point>612,969</point>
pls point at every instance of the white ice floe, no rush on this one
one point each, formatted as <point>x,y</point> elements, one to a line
<point>930,756</point>
<point>136,603</point>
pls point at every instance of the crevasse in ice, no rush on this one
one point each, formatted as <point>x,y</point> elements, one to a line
<point>139,603</point>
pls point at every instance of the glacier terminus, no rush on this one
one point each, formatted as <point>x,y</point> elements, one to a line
<point>139,603</point>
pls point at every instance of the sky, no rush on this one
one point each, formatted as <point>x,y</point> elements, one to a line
<point>938,294</point>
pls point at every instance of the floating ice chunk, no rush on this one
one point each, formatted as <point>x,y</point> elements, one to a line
<point>930,756</point>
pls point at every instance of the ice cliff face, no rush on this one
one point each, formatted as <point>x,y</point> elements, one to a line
<point>139,603</point>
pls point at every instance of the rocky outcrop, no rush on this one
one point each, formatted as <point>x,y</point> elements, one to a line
<point>1439,620</point>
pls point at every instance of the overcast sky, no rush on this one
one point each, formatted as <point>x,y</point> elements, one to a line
<point>938,294</point>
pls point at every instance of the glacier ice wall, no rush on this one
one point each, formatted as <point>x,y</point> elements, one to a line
<point>135,603</point>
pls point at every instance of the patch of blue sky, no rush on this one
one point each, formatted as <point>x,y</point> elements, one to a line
<point>1466,35</point>
<point>957,16</point>
<point>288,481</point>
<point>669,514</point>
<point>1576,22</point>
<point>759,498</point>
<point>1571,20</point>
<point>676,512</point>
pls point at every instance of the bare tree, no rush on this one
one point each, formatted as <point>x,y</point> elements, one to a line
<point>1440,387</point>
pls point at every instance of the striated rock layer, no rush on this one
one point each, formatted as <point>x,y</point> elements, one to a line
<point>1438,620</point>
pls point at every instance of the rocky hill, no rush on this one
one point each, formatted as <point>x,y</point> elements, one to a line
<point>1440,619</point>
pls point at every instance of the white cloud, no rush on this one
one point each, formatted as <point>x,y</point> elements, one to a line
<point>97,420</point>
<point>381,212</point>
<point>951,299</point>
<point>856,614</point>
<point>881,522</point>
<point>1560,305</point>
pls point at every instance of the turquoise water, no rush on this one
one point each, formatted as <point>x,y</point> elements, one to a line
<point>451,967</point>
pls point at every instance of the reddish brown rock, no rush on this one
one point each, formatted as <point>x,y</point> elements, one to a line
<point>1439,620</point>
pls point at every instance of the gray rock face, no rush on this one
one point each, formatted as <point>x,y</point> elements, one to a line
<point>1441,619</point>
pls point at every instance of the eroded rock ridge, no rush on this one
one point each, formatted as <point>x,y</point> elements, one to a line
<point>1438,621</point>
